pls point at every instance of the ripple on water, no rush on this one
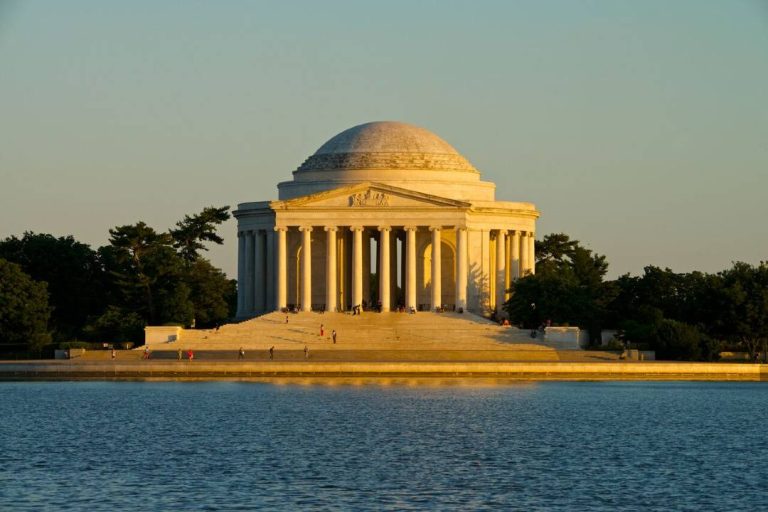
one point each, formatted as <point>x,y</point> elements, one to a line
<point>238,446</point>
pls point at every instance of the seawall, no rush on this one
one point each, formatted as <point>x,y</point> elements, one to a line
<point>266,370</point>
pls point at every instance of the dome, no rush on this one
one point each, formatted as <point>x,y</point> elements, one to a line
<point>386,145</point>
<point>389,153</point>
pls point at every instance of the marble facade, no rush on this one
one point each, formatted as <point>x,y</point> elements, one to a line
<point>387,199</point>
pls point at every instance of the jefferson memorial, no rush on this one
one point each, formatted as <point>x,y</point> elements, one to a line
<point>384,215</point>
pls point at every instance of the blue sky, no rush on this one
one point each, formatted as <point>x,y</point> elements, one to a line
<point>639,128</point>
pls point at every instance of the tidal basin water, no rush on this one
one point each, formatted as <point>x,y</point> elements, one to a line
<point>248,446</point>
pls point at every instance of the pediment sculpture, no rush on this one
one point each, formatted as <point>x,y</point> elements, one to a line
<point>369,198</point>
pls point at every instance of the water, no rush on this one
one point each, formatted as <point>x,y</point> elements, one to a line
<point>246,446</point>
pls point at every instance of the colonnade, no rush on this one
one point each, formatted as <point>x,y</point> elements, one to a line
<point>255,270</point>
<point>515,258</point>
<point>263,266</point>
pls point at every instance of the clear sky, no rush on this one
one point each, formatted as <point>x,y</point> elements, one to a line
<point>637,127</point>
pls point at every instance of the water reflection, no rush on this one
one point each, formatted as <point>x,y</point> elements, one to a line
<point>396,382</point>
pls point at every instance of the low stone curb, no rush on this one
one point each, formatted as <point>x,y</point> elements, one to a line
<point>185,370</point>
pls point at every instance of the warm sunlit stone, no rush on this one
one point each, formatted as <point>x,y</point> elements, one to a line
<point>383,179</point>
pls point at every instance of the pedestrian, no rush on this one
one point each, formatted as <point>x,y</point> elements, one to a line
<point>114,354</point>
<point>190,354</point>
<point>241,353</point>
<point>333,335</point>
<point>178,354</point>
<point>271,352</point>
<point>306,352</point>
<point>146,352</point>
<point>286,318</point>
<point>321,330</point>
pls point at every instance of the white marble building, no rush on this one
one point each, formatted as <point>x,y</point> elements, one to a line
<point>389,198</point>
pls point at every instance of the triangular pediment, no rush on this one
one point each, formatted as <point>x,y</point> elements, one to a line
<point>369,195</point>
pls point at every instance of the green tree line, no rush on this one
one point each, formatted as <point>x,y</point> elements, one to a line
<point>56,289</point>
<point>682,316</point>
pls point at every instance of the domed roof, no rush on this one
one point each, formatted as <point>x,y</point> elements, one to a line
<point>386,145</point>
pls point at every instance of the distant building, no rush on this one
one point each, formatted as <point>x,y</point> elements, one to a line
<point>441,240</point>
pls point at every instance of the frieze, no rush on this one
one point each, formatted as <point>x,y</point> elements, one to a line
<point>386,161</point>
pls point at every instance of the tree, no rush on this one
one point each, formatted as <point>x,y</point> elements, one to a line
<point>567,288</point>
<point>116,325</point>
<point>743,306</point>
<point>161,277</point>
<point>555,249</point>
<point>147,274</point>
<point>678,341</point>
<point>73,271</point>
<point>214,297</point>
<point>538,298</point>
<point>24,310</point>
<point>192,231</point>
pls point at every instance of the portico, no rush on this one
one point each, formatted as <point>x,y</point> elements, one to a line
<point>415,217</point>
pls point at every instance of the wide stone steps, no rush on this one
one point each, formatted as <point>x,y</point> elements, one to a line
<point>369,331</point>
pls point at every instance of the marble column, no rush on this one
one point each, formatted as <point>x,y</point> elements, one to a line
<point>485,272</point>
<point>249,264</point>
<point>410,268</point>
<point>461,269</point>
<point>282,267</point>
<point>366,279</point>
<point>436,270</point>
<point>259,267</point>
<point>531,252</point>
<point>270,270</point>
<point>524,254</point>
<point>393,270</point>
<point>507,266</point>
<point>384,269</point>
<point>306,268</point>
<point>514,257</point>
<point>330,269</point>
<point>240,273</point>
<point>501,259</point>
<point>357,265</point>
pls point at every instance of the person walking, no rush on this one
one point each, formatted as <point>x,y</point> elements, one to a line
<point>190,354</point>
<point>114,354</point>
<point>241,353</point>
<point>333,335</point>
<point>321,330</point>
<point>179,354</point>
<point>286,318</point>
<point>271,352</point>
<point>146,352</point>
<point>306,352</point>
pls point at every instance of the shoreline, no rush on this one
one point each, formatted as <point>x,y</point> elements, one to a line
<point>462,370</point>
